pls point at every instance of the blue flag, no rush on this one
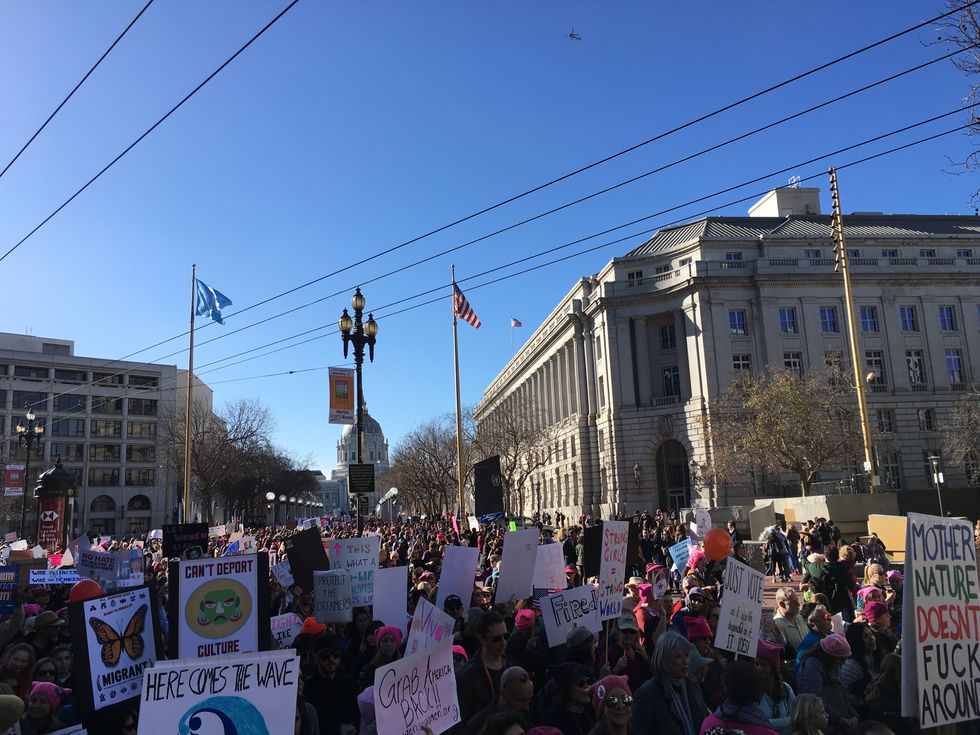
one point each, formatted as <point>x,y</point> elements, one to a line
<point>210,301</point>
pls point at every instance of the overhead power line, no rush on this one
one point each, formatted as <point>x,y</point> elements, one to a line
<point>75,89</point>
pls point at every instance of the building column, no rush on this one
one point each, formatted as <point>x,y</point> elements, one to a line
<point>643,362</point>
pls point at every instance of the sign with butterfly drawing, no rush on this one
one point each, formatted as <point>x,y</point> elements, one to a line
<point>118,644</point>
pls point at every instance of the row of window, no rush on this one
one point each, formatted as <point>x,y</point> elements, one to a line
<point>71,452</point>
<point>110,478</point>
<point>98,428</point>
<point>829,323</point>
<point>70,403</point>
<point>885,419</point>
<point>815,253</point>
<point>39,372</point>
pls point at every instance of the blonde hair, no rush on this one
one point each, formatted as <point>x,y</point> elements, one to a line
<point>805,711</point>
<point>871,572</point>
<point>846,553</point>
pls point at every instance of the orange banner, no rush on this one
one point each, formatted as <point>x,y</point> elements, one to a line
<point>341,396</point>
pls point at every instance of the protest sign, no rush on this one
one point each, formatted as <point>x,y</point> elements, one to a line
<point>430,626</point>
<point>285,628</point>
<point>178,537</point>
<point>216,531</point>
<point>549,567</point>
<point>331,597</point>
<point>679,552</point>
<point>517,565</point>
<point>391,597</point>
<point>359,556</point>
<point>940,676</point>
<point>130,569</point>
<point>100,567</point>
<point>660,584</point>
<point>633,561</point>
<point>306,554</point>
<point>564,611</point>
<point>10,537</point>
<point>702,522</point>
<point>741,609</point>
<point>155,535</point>
<point>592,541</point>
<point>115,642</point>
<point>53,576</point>
<point>473,523</point>
<point>9,576</point>
<point>20,545</point>
<point>81,543</point>
<point>612,567</point>
<point>219,606</point>
<point>283,574</point>
<point>246,693</point>
<point>458,574</point>
<point>417,690</point>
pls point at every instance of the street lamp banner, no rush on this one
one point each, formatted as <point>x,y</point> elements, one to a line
<point>13,480</point>
<point>50,521</point>
<point>342,396</point>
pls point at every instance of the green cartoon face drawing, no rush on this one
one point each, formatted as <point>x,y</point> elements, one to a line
<point>219,607</point>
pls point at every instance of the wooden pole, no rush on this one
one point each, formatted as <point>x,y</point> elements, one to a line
<point>185,512</point>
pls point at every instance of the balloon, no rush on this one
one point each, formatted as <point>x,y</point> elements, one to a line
<point>717,544</point>
<point>84,589</point>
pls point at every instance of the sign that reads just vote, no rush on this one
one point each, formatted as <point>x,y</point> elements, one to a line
<point>741,609</point>
<point>941,618</point>
<point>417,690</point>
<point>564,611</point>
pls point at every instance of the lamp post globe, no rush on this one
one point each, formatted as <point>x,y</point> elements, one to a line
<point>282,498</point>
<point>270,496</point>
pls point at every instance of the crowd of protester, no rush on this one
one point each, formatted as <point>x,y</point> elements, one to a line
<point>827,662</point>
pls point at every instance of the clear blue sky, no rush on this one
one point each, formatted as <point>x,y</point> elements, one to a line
<point>351,127</point>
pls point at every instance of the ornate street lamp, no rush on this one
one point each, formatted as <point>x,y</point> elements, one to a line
<point>27,435</point>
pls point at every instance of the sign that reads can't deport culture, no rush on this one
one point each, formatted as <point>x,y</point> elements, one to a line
<point>219,608</point>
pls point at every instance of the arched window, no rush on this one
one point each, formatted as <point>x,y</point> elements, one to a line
<point>103,504</point>
<point>673,475</point>
<point>138,502</point>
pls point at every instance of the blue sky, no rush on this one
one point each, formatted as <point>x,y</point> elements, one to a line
<point>351,127</point>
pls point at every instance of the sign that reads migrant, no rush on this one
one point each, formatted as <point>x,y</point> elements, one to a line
<point>417,690</point>
<point>219,608</point>
<point>245,693</point>
<point>570,609</point>
<point>741,609</point>
<point>941,618</point>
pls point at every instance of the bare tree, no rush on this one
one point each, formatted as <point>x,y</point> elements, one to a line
<point>961,436</point>
<point>782,423</point>
<point>962,30</point>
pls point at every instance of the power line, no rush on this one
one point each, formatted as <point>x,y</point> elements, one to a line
<point>153,127</point>
<point>75,89</point>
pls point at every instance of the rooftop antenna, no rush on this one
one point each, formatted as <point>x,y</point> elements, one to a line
<point>794,182</point>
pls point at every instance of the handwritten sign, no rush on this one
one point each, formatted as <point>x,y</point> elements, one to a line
<point>359,556</point>
<point>285,628</point>
<point>417,690</point>
<point>53,576</point>
<point>549,568</point>
<point>940,614</point>
<point>680,552</point>
<point>702,522</point>
<point>741,609</point>
<point>564,611</point>
<point>216,531</point>
<point>473,523</point>
<point>430,626</point>
<point>332,602</point>
<point>517,565</point>
<point>612,568</point>
<point>100,567</point>
<point>458,574</point>
<point>283,573</point>
<point>253,693</point>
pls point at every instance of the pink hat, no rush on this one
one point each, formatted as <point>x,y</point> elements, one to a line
<point>51,692</point>
<point>697,627</point>
<point>570,570</point>
<point>646,593</point>
<point>769,652</point>
<point>544,730</point>
<point>524,618</point>
<point>695,556</point>
<point>874,610</point>
<point>391,630</point>
<point>836,645</point>
<point>460,651</point>
<point>865,591</point>
<point>31,609</point>
<point>601,688</point>
<point>893,574</point>
<point>652,567</point>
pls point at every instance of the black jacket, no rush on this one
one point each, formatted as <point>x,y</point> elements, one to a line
<point>654,715</point>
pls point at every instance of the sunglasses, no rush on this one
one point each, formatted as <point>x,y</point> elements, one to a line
<point>616,701</point>
<point>324,655</point>
<point>499,638</point>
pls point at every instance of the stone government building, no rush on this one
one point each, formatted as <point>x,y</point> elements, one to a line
<point>630,358</point>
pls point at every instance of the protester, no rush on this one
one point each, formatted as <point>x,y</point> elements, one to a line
<point>809,716</point>
<point>820,675</point>
<point>787,617</point>
<point>820,623</point>
<point>861,666</point>
<point>740,710</point>
<point>479,680</point>
<point>670,703</point>
<point>777,696</point>
<point>515,694</point>
<point>612,702</point>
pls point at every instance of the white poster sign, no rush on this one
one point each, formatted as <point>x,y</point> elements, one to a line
<point>517,565</point>
<point>458,574</point>
<point>430,626</point>
<point>283,573</point>
<point>702,519</point>
<point>391,596</point>
<point>332,601</point>
<point>100,567</point>
<point>359,556</point>
<point>215,531</point>
<point>285,628</point>
<point>473,523</point>
<point>549,568</point>
<point>217,606</point>
<point>564,611</point>
<point>612,568</point>
<point>741,609</point>
<point>246,693</point>
<point>53,576</point>
<point>417,690</point>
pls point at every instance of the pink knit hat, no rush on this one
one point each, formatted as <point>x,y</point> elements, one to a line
<point>697,627</point>
<point>874,610</point>
<point>524,618</point>
<point>836,645</point>
<point>391,630</point>
<point>769,652</point>
<point>601,688</point>
<point>51,692</point>
<point>695,556</point>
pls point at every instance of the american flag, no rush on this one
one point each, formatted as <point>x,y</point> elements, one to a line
<point>515,322</point>
<point>463,309</point>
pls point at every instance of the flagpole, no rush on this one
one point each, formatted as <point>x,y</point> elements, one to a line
<point>459,420</point>
<point>185,514</point>
<point>513,350</point>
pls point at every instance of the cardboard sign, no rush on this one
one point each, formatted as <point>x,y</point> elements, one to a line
<point>219,606</point>
<point>679,552</point>
<point>430,625</point>
<point>247,693</point>
<point>458,574</point>
<point>9,577</point>
<point>564,611</point>
<point>306,555</point>
<point>391,596</point>
<point>359,556</point>
<point>283,574</point>
<point>940,606</point>
<point>119,644</point>
<point>53,576</point>
<point>741,609</point>
<point>517,565</point>
<point>100,567</point>
<point>285,628</point>
<point>549,568</point>
<point>178,537</point>
<point>612,568</point>
<point>417,690</point>
<point>332,597</point>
